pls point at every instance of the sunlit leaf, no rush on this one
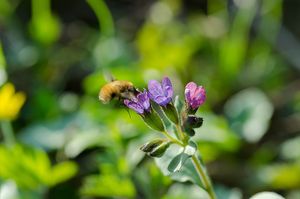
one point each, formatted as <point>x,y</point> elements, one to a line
<point>107,185</point>
<point>281,176</point>
<point>177,162</point>
<point>30,168</point>
<point>63,171</point>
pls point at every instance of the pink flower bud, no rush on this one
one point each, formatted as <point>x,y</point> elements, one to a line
<point>194,95</point>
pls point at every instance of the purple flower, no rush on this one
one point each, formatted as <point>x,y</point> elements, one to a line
<point>140,104</point>
<point>161,93</point>
<point>194,95</point>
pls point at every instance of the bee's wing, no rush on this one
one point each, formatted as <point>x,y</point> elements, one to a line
<point>107,75</point>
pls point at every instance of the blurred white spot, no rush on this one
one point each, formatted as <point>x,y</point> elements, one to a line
<point>213,27</point>
<point>3,76</point>
<point>8,190</point>
<point>267,195</point>
<point>290,149</point>
<point>107,50</point>
<point>235,193</point>
<point>160,13</point>
<point>28,56</point>
<point>68,102</point>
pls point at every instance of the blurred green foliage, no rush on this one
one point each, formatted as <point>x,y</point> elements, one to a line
<point>69,145</point>
<point>31,168</point>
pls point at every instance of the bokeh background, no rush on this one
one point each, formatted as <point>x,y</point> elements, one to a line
<point>63,143</point>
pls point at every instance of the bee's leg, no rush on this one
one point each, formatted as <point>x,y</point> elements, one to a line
<point>119,98</point>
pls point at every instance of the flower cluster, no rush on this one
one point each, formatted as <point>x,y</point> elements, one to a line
<point>162,95</point>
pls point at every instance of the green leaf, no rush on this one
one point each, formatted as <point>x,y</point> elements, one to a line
<point>62,172</point>
<point>108,185</point>
<point>177,162</point>
<point>280,175</point>
<point>30,168</point>
<point>187,171</point>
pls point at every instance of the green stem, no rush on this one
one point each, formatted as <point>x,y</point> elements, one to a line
<point>104,17</point>
<point>172,139</point>
<point>8,134</point>
<point>196,162</point>
<point>183,136</point>
<point>204,177</point>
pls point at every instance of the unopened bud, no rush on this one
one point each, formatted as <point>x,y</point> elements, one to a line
<point>149,146</point>
<point>160,150</point>
<point>193,121</point>
<point>189,131</point>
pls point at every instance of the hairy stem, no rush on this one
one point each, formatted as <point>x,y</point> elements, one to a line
<point>173,139</point>
<point>203,176</point>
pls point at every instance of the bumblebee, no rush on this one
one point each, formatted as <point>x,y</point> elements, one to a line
<point>120,89</point>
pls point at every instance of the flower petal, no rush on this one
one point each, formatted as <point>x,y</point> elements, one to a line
<point>134,106</point>
<point>155,88</point>
<point>189,90</point>
<point>194,95</point>
<point>167,87</point>
<point>143,99</point>
<point>161,100</point>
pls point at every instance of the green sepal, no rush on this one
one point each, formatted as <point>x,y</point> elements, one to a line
<point>171,113</point>
<point>153,120</point>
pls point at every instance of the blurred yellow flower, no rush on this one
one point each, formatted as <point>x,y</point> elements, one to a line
<point>10,102</point>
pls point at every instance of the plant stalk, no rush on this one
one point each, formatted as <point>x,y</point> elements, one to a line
<point>196,162</point>
<point>8,134</point>
<point>203,177</point>
<point>173,139</point>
